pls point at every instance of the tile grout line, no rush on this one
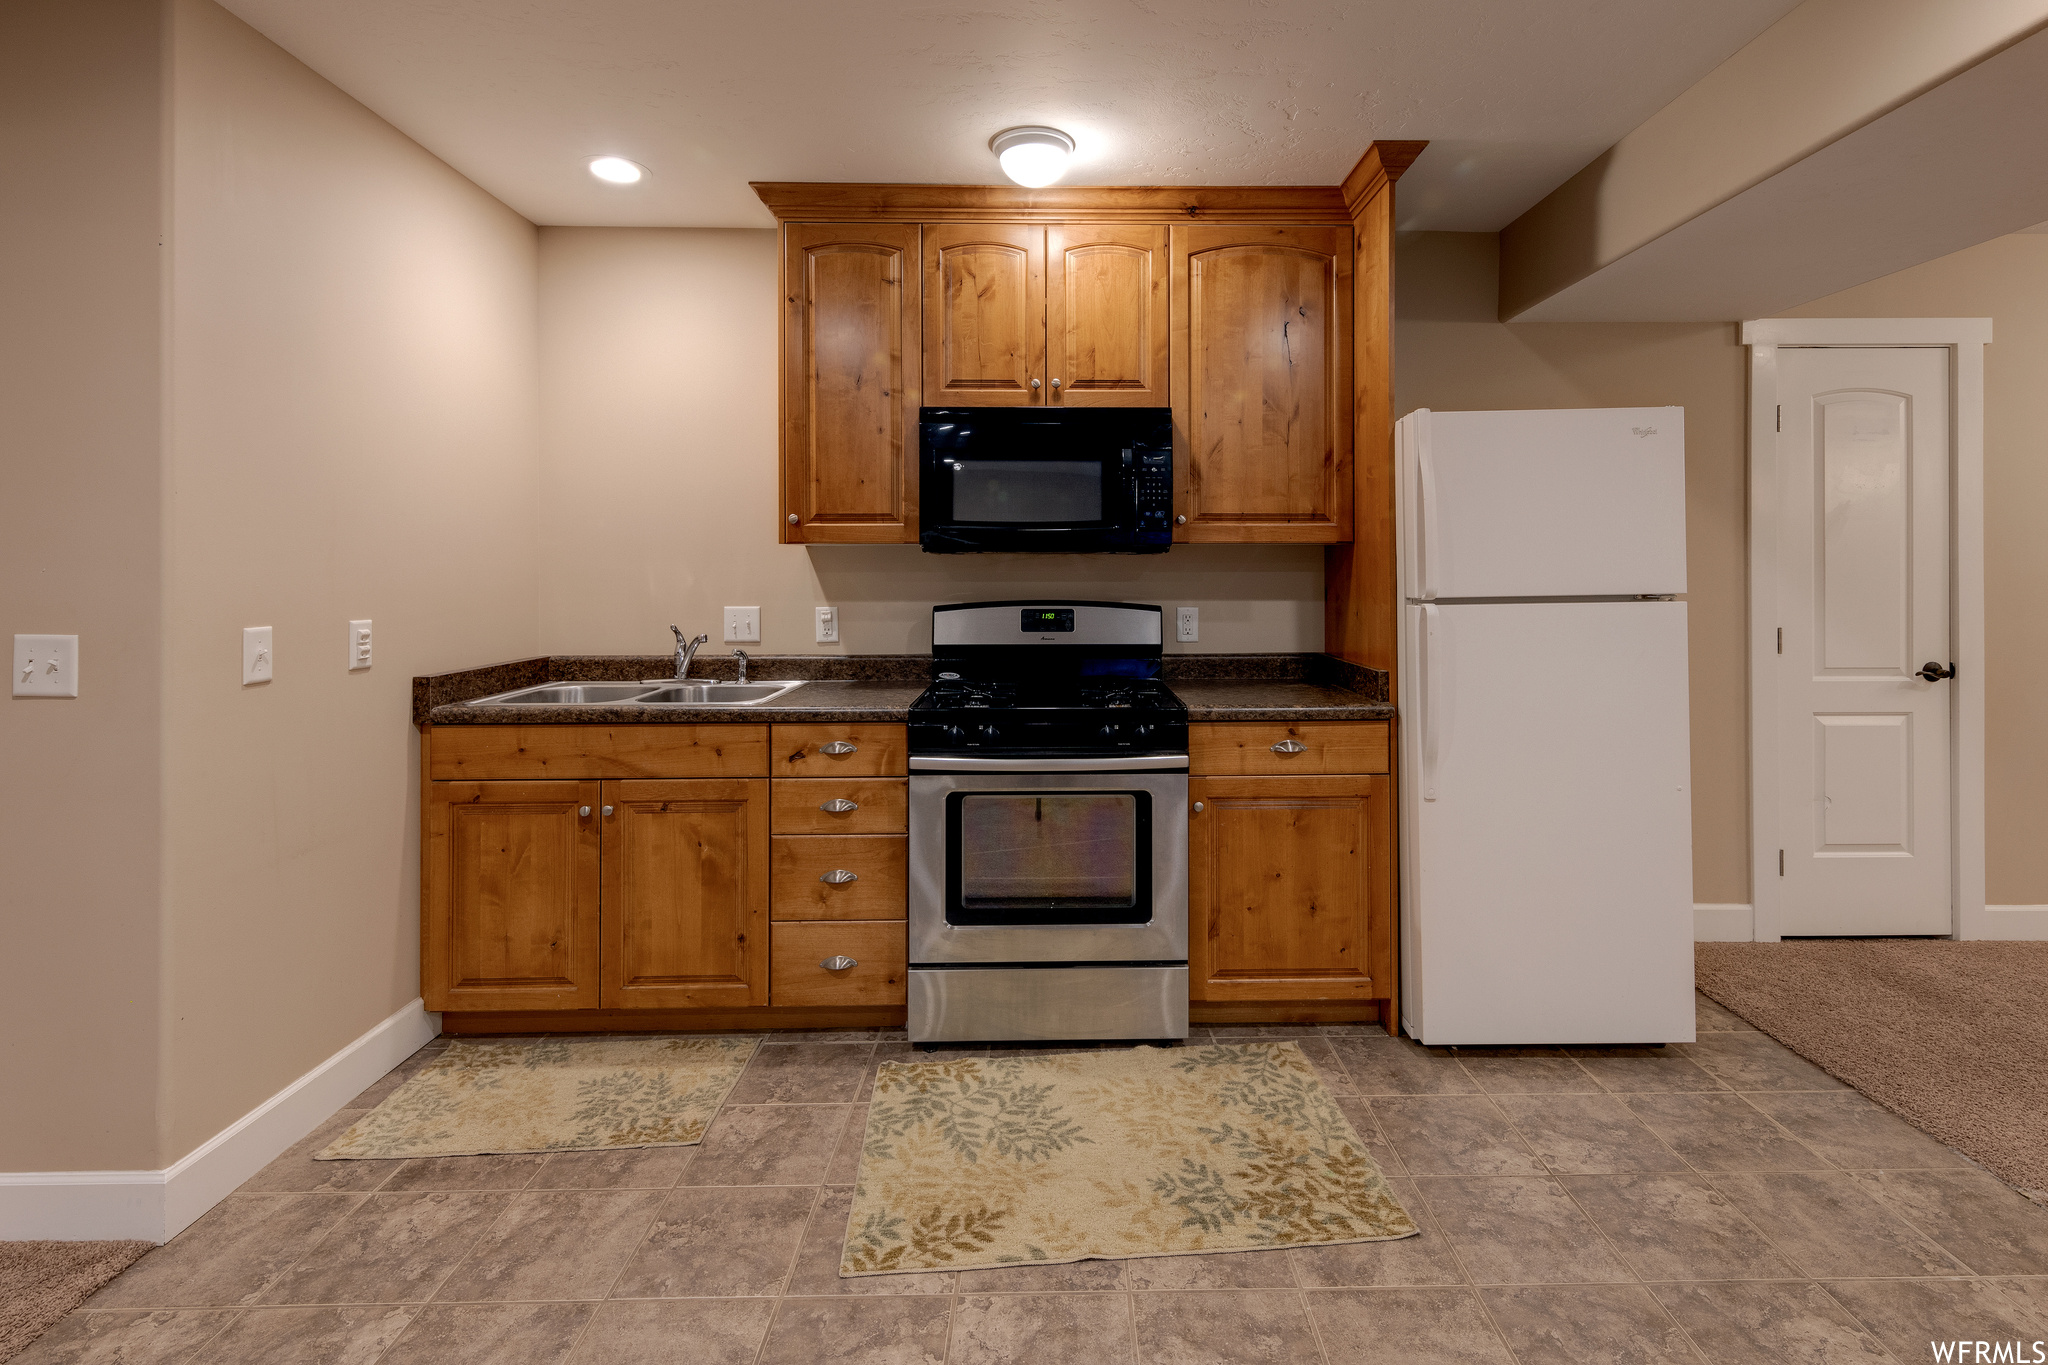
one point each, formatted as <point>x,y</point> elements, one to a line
<point>1470,1286</point>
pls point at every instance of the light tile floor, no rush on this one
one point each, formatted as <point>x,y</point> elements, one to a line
<point>1719,1201</point>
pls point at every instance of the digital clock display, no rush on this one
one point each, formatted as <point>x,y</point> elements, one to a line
<point>1048,620</point>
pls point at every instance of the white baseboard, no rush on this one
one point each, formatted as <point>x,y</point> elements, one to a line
<point>2028,922</point>
<point>1723,923</point>
<point>155,1206</point>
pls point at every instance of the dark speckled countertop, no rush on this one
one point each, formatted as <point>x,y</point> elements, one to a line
<point>880,687</point>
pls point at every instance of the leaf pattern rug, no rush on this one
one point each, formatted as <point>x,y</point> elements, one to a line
<point>974,1162</point>
<point>552,1095</point>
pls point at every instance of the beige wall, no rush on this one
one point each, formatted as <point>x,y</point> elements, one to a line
<point>2005,280</point>
<point>80,212</point>
<point>658,402</point>
<point>351,435</point>
<point>1451,353</point>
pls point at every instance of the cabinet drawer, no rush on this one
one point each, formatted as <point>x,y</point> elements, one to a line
<point>880,950</point>
<point>881,805</point>
<point>878,862</point>
<point>527,752</point>
<point>820,750</point>
<point>1264,749</point>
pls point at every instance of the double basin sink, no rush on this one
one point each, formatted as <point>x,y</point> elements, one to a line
<point>642,694</point>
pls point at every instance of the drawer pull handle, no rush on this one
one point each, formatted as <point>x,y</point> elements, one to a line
<point>839,805</point>
<point>839,746</point>
<point>583,811</point>
<point>839,876</point>
<point>838,964</point>
<point>1289,746</point>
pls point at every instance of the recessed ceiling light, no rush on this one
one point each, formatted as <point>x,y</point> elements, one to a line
<point>617,170</point>
<point>1032,156</point>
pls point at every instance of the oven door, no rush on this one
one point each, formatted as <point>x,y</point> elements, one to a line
<point>1041,867</point>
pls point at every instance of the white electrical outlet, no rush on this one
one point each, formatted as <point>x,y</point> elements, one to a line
<point>828,625</point>
<point>358,645</point>
<point>743,625</point>
<point>257,663</point>
<point>1187,624</point>
<point>46,665</point>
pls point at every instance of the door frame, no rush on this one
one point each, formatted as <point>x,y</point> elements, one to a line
<point>1964,339</point>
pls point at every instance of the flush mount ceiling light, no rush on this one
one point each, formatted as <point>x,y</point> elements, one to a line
<point>1032,156</point>
<point>616,170</point>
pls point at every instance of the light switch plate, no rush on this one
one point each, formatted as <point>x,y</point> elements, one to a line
<point>828,625</point>
<point>358,645</point>
<point>743,625</point>
<point>257,662</point>
<point>46,665</point>
<point>1187,624</point>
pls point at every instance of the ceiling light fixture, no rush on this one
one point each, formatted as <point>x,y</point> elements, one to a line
<point>616,170</point>
<point>1032,156</point>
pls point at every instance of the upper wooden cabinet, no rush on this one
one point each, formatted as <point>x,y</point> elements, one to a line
<point>1262,382</point>
<point>1106,315</point>
<point>849,383</point>
<point>984,315</point>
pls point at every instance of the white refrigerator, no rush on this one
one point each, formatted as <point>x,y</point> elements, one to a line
<point>1546,808</point>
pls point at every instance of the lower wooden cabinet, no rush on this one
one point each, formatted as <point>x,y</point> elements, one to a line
<point>879,974</point>
<point>1290,888</point>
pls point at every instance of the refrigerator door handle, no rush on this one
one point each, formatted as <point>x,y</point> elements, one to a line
<point>1425,468</point>
<point>1424,666</point>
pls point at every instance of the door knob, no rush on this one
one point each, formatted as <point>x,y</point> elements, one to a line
<point>606,811</point>
<point>838,964</point>
<point>839,746</point>
<point>583,811</point>
<point>1198,808</point>
<point>792,518</point>
<point>1055,383</point>
<point>1034,383</point>
<point>839,805</point>
<point>1289,746</point>
<point>1181,520</point>
<point>1934,672</point>
<point>839,876</point>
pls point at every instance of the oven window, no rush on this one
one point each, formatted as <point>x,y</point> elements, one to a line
<point>1051,858</point>
<point>1028,492</point>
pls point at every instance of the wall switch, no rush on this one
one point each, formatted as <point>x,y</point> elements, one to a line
<point>1187,624</point>
<point>256,660</point>
<point>46,665</point>
<point>743,625</point>
<point>358,645</point>
<point>828,625</point>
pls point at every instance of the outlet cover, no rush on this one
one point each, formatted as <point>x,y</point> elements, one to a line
<point>828,625</point>
<point>46,665</point>
<point>257,663</point>
<point>358,645</point>
<point>1187,624</point>
<point>743,625</point>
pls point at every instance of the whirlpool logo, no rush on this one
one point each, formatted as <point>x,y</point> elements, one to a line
<point>1990,1352</point>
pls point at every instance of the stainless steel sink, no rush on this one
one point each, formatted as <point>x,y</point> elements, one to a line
<point>715,693</point>
<point>567,694</point>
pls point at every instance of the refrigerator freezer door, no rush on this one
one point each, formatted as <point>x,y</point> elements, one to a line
<point>1547,884</point>
<point>1578,502</point>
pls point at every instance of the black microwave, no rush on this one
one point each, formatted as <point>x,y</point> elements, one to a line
<point>1072,479</point>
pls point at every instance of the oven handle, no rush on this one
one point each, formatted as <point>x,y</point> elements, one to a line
<point>1155,763</point>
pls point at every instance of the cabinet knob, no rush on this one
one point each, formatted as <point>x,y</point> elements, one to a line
<point>1289,746</point>
<point>839,876</point>
<point>1034,383</point>
<point>1055,383</point>
<point>583,811</point>
<point>838,964</point>
<point>606,811</point>
<point>839,805</point>
<point>1198,808</point>
<point>1181,520</point>
<point>792,518</point>
<point>839,746</point>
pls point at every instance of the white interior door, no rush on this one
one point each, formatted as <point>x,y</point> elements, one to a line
<point>1862,739</point>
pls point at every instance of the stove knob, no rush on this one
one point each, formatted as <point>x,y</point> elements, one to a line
<point>988,732</point>
<point>1141,731</point>
<point>1108,731</point>
<point>954,734</point>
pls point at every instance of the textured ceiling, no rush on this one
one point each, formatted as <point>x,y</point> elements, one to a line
<point>1515,95</point>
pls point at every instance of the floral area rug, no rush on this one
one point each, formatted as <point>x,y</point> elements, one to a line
<point>977,1161</point>
<point>553,1095</point>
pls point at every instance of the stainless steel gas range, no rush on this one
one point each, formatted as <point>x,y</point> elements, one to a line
<point>1048,828</point>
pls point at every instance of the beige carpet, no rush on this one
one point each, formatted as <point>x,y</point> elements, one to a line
<point>1952,1037</point>
<point>974,1162</point>
<point>42,1281</point>
<point>552,1095</point>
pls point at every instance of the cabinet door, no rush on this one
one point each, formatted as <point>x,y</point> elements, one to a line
<point>685,894</point>
<point>510,906</point>
<point>1262,382</point>
<point>1106,288</point>
<point>849,383</point>
<point>984,315</point>
<point>1290,888</point>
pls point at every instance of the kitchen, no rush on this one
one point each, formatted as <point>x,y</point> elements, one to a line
<point>579,448</point>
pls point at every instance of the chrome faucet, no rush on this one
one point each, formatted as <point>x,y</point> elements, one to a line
<point>741,655</point>
<point>686,651</point>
